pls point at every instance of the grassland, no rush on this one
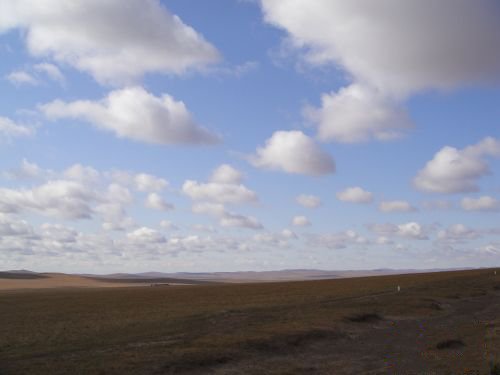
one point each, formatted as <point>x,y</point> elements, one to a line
<point>440,323</point>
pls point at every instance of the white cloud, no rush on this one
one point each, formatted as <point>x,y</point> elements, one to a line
<point>457,233</point>
<point>308,201</point>
<point>411,230</point>
<point>112,42</point>
<point>147,182</point>
<point>20,77</point>
<point>168,225</point>
<point>218,192</point>
<point>58,198</point>
<point>355,195</point>
<point>51,70</point>
<point>226,218</point>
<point>225,174</point>
<point>10,226</point>
<point>10,129</point>
<point>457,171</point>
<point>156,202</point>
<point>134,113</point>
<point>484,203</point>
<point>146,235</point>
<point>356,114</point>
<point>338,241</point>
<point>82,173</point>
<point>396,206</point>
<point>241,221</point>
<point>389,52</point>
<point>300,221</point>
<point>293,152</point>
<point>25,171</point>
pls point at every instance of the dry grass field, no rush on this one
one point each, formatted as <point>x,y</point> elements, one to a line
<point>440,323</point>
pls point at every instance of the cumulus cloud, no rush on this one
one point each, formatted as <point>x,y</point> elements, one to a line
<point>11,129</point>
<point>168,225</point>
<point>25,171</point>
<point>58,198</point>
<point>226,218</point>
<point>21,77</point>
<point>82,173</point>
<point>410,230</point>
<point>145,235</point>
<point>293,152</point>
<point>357,113</point>
<point>156,202</point>
<point>234,220</point>
<point>455,170</point>
<point>308,201</point>
<point>338,241</point>
<point>225,174</point>
<point>355,195</point>
<point>484,203</point>
<point>457,233</point>
<point>148,182</point>
<point>389,51</point>
<point>10,226</point>
<point>224,187</point>
<point>136,114</point>
<point>300,221</point>
<point>396,206</point>
<point>51,71</point>
<point>114,43</point>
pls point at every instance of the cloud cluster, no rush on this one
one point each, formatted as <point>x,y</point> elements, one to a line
<point>300,221</point>
<point>293,152</point>
<point>10,129</point>
<point>136,114</point>
<point>114,43</point>
<point>483,203</point>
<point>81,192</point>
<point>389,51</point>
<point>308,201</point>
<point>455,170</point>
<point>355,195</point>
<point>396,206</point>
<point>224,187</point>
<point>410,230</point>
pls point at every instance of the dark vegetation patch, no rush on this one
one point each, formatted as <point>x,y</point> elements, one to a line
<point>286,343</point>
<point>496,287</point>
<point>450,344</point>
<point>495,368</point>
<point>364,318</point>
<point>197,363</point>
<point>21,276</point>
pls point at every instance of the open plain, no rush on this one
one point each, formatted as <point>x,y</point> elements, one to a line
<point>439,323</point>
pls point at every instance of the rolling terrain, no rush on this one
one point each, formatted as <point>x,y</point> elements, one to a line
<point>439,323</point>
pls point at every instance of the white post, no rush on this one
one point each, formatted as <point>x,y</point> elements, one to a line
<point>399,288</point>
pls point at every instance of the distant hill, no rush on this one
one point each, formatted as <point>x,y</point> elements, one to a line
<point>261,276</point>
<point>21,275</point>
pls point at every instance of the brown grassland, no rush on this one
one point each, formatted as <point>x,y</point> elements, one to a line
<point>440,323</point>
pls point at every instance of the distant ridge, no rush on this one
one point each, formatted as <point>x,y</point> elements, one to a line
<point>227,277</point>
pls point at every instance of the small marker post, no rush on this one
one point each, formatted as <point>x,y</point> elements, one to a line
<point>399,289</point>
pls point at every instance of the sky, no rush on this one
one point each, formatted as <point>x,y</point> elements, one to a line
<point>233,135</point>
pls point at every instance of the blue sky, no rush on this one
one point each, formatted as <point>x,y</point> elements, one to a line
<point>243,135</point>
